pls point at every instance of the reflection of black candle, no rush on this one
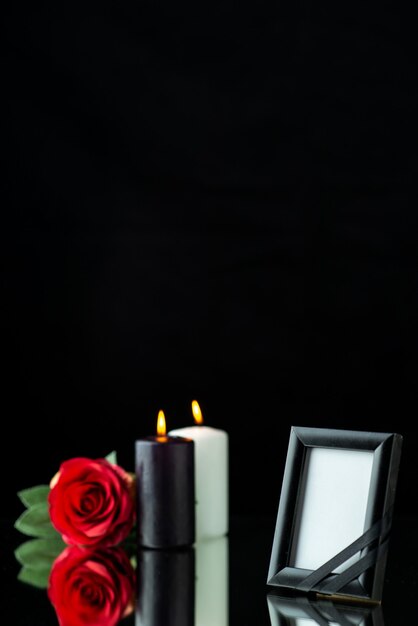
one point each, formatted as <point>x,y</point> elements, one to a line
<point>166,581</point>
<point>165,490</point>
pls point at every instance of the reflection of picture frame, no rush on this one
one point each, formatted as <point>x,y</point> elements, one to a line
<point>335,513</point>
<point>302,612</point>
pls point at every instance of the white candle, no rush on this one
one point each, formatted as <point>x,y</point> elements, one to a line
<point>211,600</point>
<point>211,476</point>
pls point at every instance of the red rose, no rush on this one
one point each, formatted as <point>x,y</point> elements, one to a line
<point>91,502</point>
<point>91,587</point>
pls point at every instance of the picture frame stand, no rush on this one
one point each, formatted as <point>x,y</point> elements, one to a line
<point>335,514</point>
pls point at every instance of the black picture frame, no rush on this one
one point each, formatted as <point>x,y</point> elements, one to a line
<point>289,612</point>
<point>366,585</point>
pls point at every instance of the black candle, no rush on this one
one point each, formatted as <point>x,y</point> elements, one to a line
<point>166,588</point>
<point>165,490</point>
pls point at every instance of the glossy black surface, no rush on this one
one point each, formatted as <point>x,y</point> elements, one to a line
<point>250,543</point>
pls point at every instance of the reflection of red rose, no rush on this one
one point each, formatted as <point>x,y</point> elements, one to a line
<point>91,587</point>
<point>91,502</point>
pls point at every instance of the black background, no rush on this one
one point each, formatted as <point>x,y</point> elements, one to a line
<point>211,202</point>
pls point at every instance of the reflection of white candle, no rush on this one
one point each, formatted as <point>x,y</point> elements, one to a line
<point>211,475</point>
<point>211,603</point>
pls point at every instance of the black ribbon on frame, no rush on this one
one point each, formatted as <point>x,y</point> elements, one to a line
<point>377,533</point>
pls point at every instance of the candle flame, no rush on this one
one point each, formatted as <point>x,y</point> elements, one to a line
<point>197,413</point>
<point>161,426</point>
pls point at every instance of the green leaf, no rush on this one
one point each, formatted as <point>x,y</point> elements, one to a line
<point>133,561</point>
<point>34,495</point>
<point>112,457</point>
<point>36,522</point>
<point>39,554</point>
<point>36,577</point>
